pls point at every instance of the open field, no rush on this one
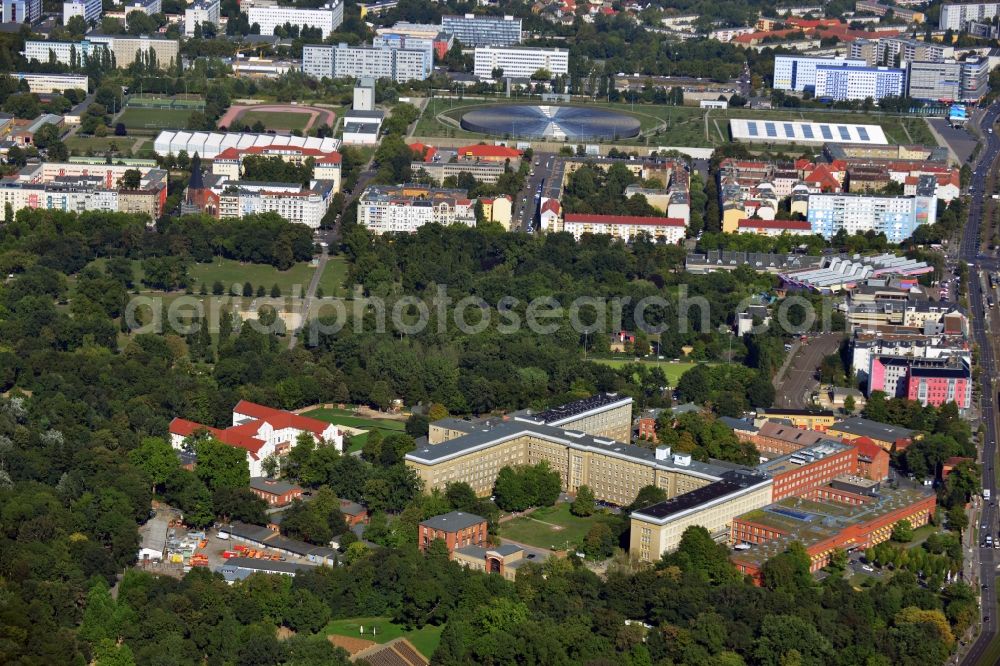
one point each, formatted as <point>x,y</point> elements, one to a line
<point>552,527</point>
<point>193,102</point>
<point>231,272</point>
<point>685,125</point>
<point>85,144</point>
<point>276,120</point>
<point>672,370</point>
<point>332,282</point>
<point>153,120</point>
<point>425,639</point>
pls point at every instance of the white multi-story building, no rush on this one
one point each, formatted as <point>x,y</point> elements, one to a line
<point>958,16</point>
<point>327,18</point>
<point>202,11</point>
<point>858,83</point>
<point>302,205</point>
<point>975,78</point>
<point>21,11</point>
<point>799,72</point>
<point>403,42</point>
<point>261,431</point>
<point>343,61</point>
<point>404,209</point>
<point>63,52</point>
<point>326,164</point>
<point>520,62</point>
<point>147,7</point>
<point>52,83</point>
<point>89,10</point>
<point>127,50</point>
<point>475,31</point>
<point>895,216</point>
<point>625,227</point>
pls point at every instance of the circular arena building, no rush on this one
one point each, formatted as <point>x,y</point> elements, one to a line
<point>558,123</point>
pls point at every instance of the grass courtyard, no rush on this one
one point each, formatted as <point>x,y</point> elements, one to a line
<point>346,417</point>
<point>101,145</point>
<point>672,370</point>
<point>425,639</point>
<point>152,120</point>
<point>275,120</point>
<point>552,527</point>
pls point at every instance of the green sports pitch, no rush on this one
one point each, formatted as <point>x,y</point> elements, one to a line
<point>155,119</point>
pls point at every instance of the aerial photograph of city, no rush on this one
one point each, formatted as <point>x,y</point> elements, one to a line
<point>499,332</point>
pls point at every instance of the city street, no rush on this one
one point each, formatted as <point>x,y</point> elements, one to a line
<point>970,253</point>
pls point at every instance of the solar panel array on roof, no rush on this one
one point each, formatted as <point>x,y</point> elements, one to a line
<point>844,134</point>
<point>808,131</point>
<point>863,133</point>
<point>753,128</point>
<point>825,131</point>
<point>771,131</point>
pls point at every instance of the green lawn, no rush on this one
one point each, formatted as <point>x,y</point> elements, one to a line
<point>672,370</point>
<point>85,144</point>
<point>275,120</point>
<point>570,531</point>
<point>155,119</point>
<point>425,639</point>
<point>346,418</point>
<point>231,272</point>
<point>334,275</point>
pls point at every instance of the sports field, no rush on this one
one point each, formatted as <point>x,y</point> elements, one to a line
<point>425,639</point>
<point>276,120</point>
<point>101,145</point>
<point>136,118</point>
<point>552,527</point>
<point>193,102</point>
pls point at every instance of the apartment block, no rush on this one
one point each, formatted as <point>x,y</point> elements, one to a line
<point>406,208</point>
<point>375,62</point>
<point>798,73</point>
<point>897,51</point>
<point>657,529</point>
<point>895,216</point>
<point>626,227</point>
<point>881,9</point>
<point>294,202</point>
<point>202,11</point>
<point>65,53</point>
<point>840,83</point>
<point>520,62</point>
<point>327,18</point>
<point>21,11</point>
<point>127,50</point>
<point>475,31</point>
<point>407,43</point>
<point>975,78</point>
<point>935,80</point>
<point>52,83</point>
<point>442,41</point>
<point>958,16</point>
<point>88,10</point>
<point>81,187</point>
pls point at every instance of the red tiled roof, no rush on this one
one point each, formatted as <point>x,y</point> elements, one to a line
<point>551,205</point>
<point>426,152</point>
<point>798,225</point>
<point>241,436</point>
<point>279,418</point>
<point>318,155</point>
<point>823,177</point>
<point>481,150</point>
<point>625,219</point>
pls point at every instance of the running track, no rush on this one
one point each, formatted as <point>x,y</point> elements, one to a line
<point>316,114</point>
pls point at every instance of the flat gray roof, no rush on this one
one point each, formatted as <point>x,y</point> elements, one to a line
<point>873,429</point>
<point>506,430</point>
<point>455,520</point>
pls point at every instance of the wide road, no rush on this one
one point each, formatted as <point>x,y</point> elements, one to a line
<point>970,254</point>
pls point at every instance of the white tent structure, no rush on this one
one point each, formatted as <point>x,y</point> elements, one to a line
<point>210,144</point>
